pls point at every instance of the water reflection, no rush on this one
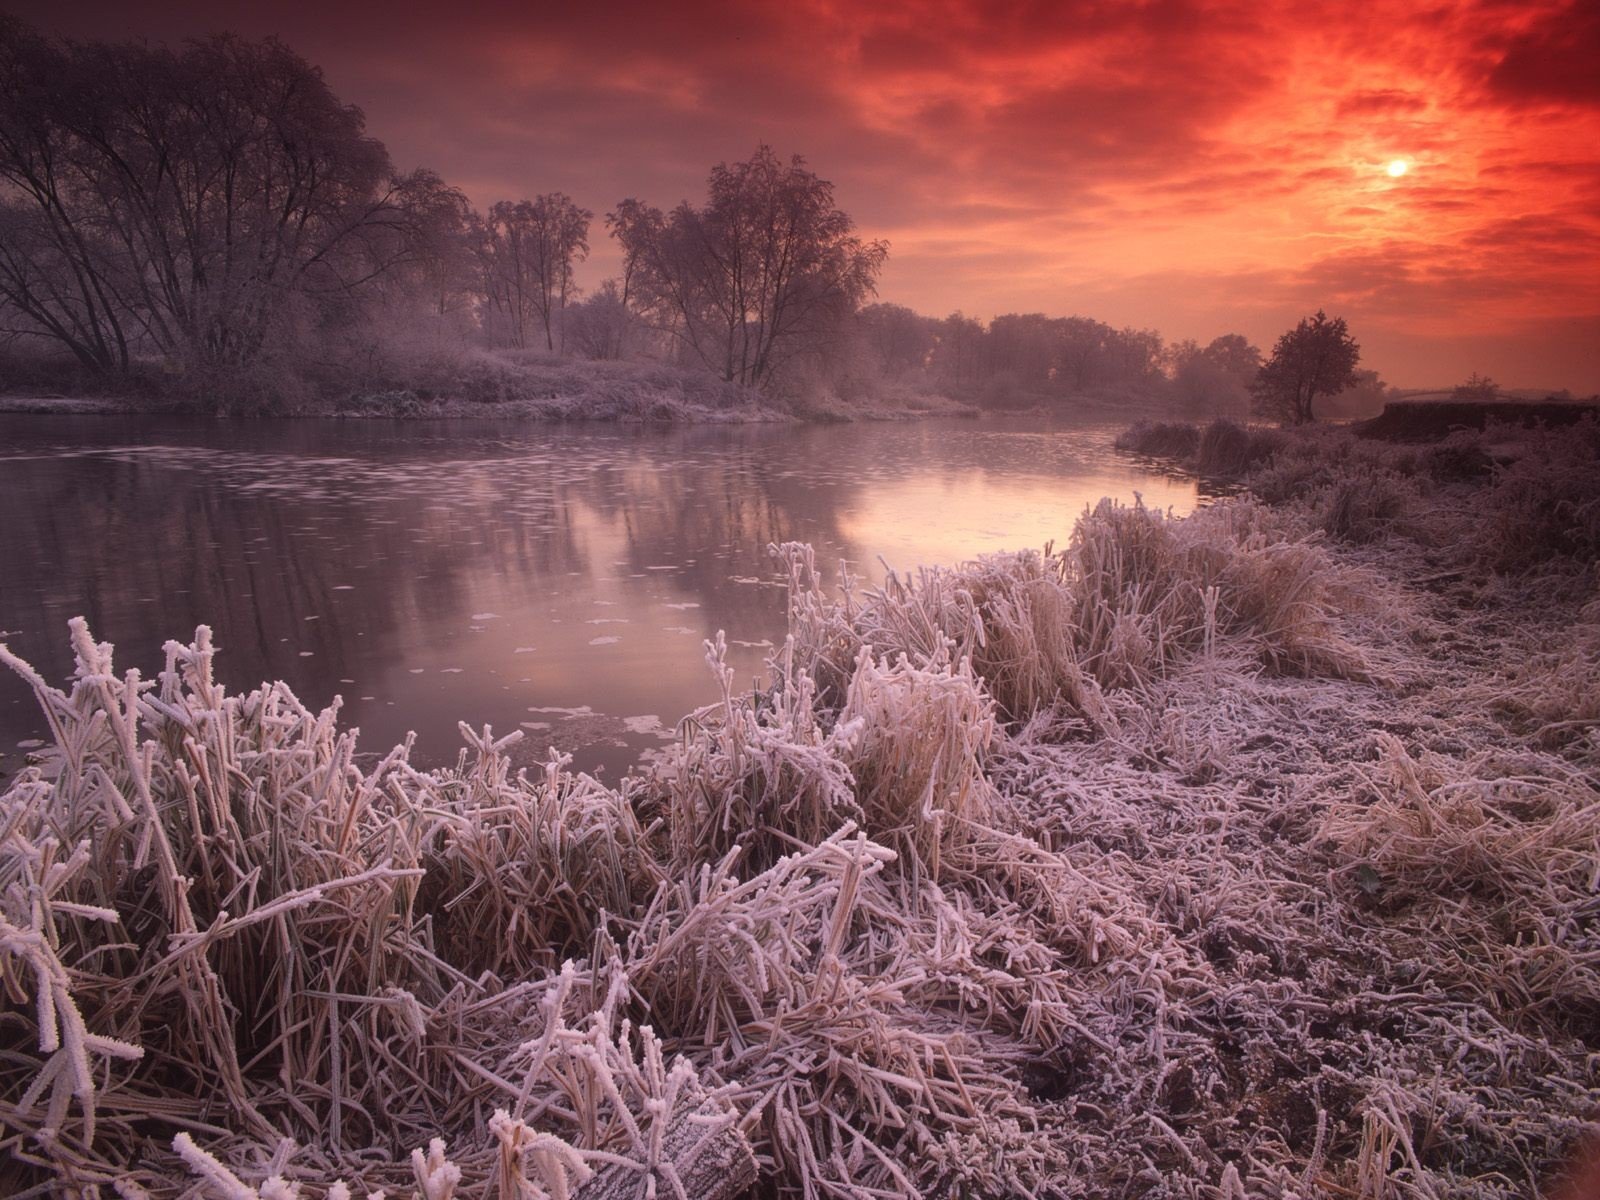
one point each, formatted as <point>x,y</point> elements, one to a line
<point>561,580</point>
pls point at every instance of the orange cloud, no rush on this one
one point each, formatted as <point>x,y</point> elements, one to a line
<point>1191,166</point>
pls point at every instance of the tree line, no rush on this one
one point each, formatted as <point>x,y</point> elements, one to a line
<point>215,212</point>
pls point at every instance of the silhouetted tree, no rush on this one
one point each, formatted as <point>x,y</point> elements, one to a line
<point>191,202</point>
<point>767,269</point>
<point>1316,358</point>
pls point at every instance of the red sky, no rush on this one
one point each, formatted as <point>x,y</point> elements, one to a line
<point>1197,168</point>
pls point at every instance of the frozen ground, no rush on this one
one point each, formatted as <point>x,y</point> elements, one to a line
<point>1254,853</point>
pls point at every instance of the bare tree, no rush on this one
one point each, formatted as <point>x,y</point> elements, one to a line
<point>187,202</point>
<point>600,326</point>
<point>956,350</point>
<point>766,270</point>
<point>529,249</point>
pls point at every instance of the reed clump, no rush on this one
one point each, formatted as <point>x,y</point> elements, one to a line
<point>1172,862</point>
<point>1230,450</point>
<point>1161,439</point>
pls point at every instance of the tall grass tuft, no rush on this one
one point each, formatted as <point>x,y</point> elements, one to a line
<point>1161,439</point>
<point>1229,450</point>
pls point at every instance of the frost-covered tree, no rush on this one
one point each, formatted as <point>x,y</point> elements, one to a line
<point>528,249</point>
<point>600,326</point>
<point>1317,357</point>
<point>767,269</point>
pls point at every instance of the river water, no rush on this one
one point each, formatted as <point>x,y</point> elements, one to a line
<point>561,580</point>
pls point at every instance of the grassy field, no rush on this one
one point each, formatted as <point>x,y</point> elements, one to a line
<point>1253,853</point>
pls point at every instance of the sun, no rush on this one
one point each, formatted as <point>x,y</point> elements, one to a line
<point>1397,168</point>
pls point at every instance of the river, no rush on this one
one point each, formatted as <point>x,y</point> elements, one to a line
<point>561,580</point>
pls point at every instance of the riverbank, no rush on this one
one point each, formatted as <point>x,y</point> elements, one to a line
<point>1250,853</point>
<point>501,386</point>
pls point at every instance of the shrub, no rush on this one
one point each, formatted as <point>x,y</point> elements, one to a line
<point>1459,458</point>
<point>1161,439</point>
<point>1231,450</point>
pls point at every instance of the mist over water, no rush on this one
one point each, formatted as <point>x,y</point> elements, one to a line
<point>558,580</point>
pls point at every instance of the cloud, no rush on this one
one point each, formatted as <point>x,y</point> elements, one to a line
<point>1029,154</point>
<point>1556,59</point>
<point>1381,101</point>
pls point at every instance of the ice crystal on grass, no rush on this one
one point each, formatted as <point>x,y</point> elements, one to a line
<point>1184,861</point>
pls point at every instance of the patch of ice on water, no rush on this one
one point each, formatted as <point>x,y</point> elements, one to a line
<point>603,641</point>
<point>648,723</point>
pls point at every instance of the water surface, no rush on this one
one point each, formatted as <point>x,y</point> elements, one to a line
<point>561,580</point>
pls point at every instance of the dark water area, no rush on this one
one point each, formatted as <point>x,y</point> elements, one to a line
<point>561,580</point>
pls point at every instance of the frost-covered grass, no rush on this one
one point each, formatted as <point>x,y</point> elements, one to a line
<point>1244,854</point>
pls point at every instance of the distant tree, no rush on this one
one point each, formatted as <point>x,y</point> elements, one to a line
<point>957,351</point>
<point>440,274</point>
<point>767,269</point>
<point>1133,355</point>
<point>1215,377</point>
<point>1477,387</point>
<point>1233,353</point>
<point>1365,397</point>
<point>600,325</point>
<point>899,341</point>
<point>1022,351</point>
<point>1081,348</point>
<point>528,250</point>
<point>1317,357</point>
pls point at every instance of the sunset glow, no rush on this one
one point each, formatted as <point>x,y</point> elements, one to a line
<point>1194,167</point>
